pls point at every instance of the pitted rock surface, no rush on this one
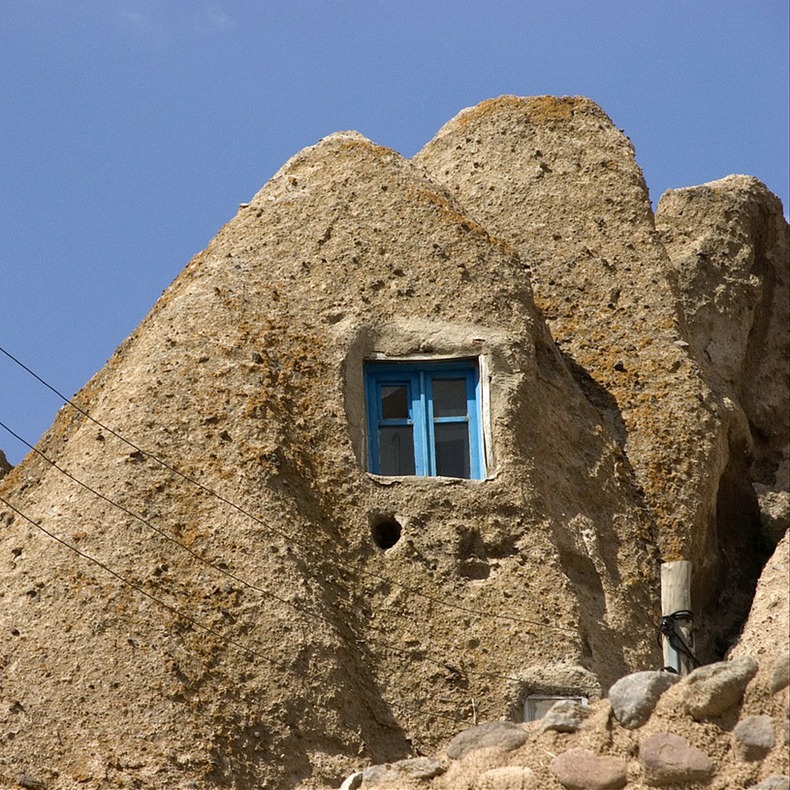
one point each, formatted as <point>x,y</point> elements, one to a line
<point>612,443</point>
<point>514,164</point>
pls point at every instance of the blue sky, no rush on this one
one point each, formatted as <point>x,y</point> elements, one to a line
<point>132,129</point>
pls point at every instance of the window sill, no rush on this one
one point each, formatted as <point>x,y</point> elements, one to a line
<point>424,480</point>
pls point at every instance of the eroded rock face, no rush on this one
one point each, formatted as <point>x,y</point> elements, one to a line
<point>728,244</point>
<point>5,467</point>
<point>248,378</point>
<point>305,618</point>
<point>765,633</point>
<point>672,347</point>
<point>558,181</point>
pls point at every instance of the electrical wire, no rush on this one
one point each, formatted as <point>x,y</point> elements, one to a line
<point>306,547</point>
<point>359,639</point>
<point>182,615</point>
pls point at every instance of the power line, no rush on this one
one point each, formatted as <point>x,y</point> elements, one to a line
<point>182,615</point>
<point>305,546</point>
<point>229,574</point>
<point>153,598</point>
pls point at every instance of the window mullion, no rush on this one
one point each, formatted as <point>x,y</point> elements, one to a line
<point>426,425</point>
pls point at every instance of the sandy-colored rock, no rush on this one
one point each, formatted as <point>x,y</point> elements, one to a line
<point>670,759</point>
<point>728,244</point>
<point>714,689</point>
<point>401,772</point>
<point>352,782</point>
<point>580,769</point>
<point>564,716</point>
<point>507,778</point>
<point>780,678</point>
<point>226,612</point>
<point>557,180</point>
<point>5,466</point>
<point>764,635</point>
<point>774,512</point>
<point>773,783</point>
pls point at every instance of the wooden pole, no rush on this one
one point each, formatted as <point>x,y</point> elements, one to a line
<point>676,597</point>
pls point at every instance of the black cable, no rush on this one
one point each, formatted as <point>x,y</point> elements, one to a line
<point>415,654</point>
<point>148,524</point>
<point>188,618</point>
<point>306,547</point>
<point>138,588</point>
<point>668,627</point>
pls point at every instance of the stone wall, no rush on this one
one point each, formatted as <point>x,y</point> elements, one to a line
<point>724,726</point>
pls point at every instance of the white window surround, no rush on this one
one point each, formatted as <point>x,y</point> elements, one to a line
<point>536,706</point>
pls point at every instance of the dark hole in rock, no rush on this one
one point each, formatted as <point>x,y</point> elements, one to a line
<point>386,532</point>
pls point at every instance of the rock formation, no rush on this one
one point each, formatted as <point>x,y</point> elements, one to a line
<point>231,599</point>
<point>5,467</point>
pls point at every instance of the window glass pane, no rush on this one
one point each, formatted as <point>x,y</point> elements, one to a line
<point>449,397</point>
<point>452,449</point>
<point>394,402</point>
<point>396,450</point>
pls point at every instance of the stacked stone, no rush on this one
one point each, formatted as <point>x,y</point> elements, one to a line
<point>656,729</point>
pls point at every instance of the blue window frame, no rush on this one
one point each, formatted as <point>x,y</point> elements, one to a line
<point>424,418</point>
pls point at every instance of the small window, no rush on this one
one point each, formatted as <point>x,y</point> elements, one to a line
<point>536,706</point>
<point>424,419</point>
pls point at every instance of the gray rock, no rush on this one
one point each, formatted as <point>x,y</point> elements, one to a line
<point>670,759</point>
<point>781,675</point>
<point>414,768</point>
<point>353,782</point>
<point>502,734</point>
<point>713,689</point>
<point>754,737</point>
<point>773,783</point>
<point>634,697</point>
<point>565,715</point>
<point>580,769</point>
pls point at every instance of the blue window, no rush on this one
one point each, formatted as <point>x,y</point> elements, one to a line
<point>424,418</point>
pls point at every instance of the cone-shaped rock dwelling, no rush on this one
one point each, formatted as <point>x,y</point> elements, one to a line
<point>342,494</point>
